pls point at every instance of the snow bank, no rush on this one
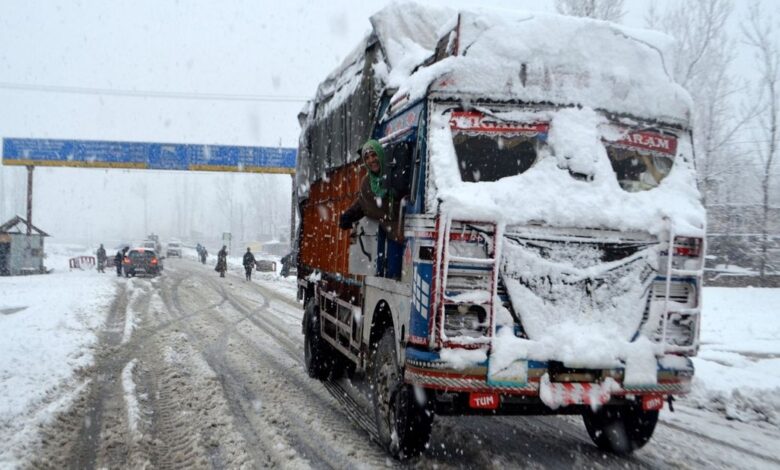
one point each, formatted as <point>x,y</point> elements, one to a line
<point>49,325</point>
<point>738,366</point>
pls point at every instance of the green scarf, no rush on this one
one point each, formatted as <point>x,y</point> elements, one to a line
<point>376,180</point>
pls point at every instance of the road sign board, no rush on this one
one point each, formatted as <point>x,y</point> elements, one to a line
<point>143,155</point>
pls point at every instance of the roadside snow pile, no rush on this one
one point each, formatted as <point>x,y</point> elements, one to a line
<point>48,325</point>
<point>738,366</point>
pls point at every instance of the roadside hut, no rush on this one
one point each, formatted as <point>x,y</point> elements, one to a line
<point>21,253</point>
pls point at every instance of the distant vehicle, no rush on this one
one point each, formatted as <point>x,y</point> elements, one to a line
<point>174,249</point>
<point>156,240</point>
<point>142,260</point>
<point>150,244</point>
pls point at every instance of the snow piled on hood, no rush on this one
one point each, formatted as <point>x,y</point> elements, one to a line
<point>548,194</point>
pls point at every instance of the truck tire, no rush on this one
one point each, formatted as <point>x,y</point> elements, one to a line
<point>318,356</point>
<point>620,429</point>
<point>403,422</point>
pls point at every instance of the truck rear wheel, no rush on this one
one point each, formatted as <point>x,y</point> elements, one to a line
<point>620,429</point>
<point>318,356</point>
<point>403,420</point>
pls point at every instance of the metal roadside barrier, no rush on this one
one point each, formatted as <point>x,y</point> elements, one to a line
<point>79,262</point>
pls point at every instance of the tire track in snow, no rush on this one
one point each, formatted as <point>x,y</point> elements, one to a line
<point>293,347</point>
<point>263,445</point>
<point>301,426</point>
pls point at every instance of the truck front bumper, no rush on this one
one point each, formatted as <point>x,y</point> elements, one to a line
<point>546,383</point>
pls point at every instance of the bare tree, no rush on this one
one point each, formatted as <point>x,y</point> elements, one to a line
<point>760,34</point>
<point>702,65</point>
<point>270,201</point>
<point>610,10</point>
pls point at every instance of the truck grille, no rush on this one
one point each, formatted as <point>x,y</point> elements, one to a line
<point>552,281</point>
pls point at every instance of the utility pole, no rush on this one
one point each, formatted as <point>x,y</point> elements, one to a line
<point>30,169</point>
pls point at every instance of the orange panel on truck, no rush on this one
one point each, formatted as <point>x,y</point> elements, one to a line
<point>325,246</point>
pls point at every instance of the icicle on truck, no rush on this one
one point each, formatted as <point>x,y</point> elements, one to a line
<point>551,258</point>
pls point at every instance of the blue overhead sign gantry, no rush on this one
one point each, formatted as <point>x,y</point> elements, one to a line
<point>140,155</point>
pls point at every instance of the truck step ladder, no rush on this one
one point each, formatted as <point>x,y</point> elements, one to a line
<point>671,273</point>
<point>445,261</point>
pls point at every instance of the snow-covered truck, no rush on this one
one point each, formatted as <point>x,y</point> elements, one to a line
<point>553,229</point>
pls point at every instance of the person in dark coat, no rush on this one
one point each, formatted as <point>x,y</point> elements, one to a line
<point>222,261</point>
<point>101,259</point>
<point>374,199</point>
<point>377,202</point>
<point>288,261</point>
<point>204,254</point>
<point>249,263</point>
<point>120,255</point>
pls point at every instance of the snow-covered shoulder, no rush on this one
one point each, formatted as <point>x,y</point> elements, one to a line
<point>49,325</point>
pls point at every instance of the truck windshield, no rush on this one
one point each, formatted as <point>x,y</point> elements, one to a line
<point>490,149</point>
<point>488,157</point>
<point>642,159</point>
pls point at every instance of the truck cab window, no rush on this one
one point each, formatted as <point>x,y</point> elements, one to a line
<point>399,171</point>
<point>490,157</point>
<point>638,171</point>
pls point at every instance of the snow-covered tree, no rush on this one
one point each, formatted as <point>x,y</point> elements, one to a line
<point>702,65</point>
<point>610,10</point>
<point>761,35</point>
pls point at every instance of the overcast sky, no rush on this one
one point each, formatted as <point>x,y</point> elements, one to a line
<point>226,63</point>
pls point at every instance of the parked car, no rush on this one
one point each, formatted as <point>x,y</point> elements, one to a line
<point>174,249</point>
<point>141,260</point>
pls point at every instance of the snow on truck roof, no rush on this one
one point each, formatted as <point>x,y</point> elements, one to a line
<point>537,57</point>
<point>519,56</point>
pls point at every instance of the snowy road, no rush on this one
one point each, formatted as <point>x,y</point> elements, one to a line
<point>195,371</point>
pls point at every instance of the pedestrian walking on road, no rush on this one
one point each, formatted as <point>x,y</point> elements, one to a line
<point>120,255</point>
<point>249,263</point>
<point>101,259</point>
<point>222,261</point>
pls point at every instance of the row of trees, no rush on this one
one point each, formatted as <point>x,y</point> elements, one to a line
<point>735,115</point>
